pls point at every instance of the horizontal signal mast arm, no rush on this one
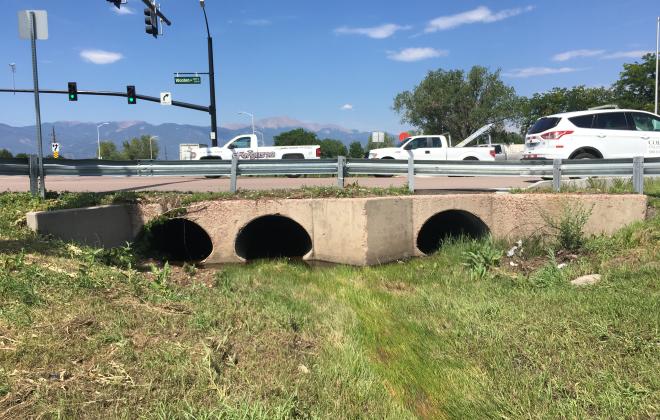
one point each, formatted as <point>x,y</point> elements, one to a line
<point>105,93</point>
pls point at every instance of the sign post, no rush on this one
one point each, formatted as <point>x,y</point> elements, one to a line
<point>33,25</point>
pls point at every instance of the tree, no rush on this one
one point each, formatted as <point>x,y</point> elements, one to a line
<point>388,141</point>
<point>22,156</point>
<point>297,137</point>
<point>330,148</point>
<point>5,154</point>
<point>636,85</point>
<point>355,150</point>
<point>140,148</point>
<point>457,102</point>
<point>109,151</point>
<point>559,100</point>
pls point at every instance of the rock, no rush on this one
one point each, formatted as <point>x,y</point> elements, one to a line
<point>586,280</point>
<point>562,265</point>
<point>303,369</point>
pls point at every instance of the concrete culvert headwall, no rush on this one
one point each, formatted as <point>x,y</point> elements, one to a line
<point>180,240</point>
<point>272,236</point>
<point>448,225</point>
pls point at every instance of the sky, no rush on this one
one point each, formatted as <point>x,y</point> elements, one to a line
<point>340,62</point>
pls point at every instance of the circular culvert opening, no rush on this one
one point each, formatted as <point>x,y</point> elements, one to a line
<point>446,225</point>
<point>272,236</point>
<point>179,240</point>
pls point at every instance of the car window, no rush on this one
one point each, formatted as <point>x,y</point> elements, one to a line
<point>436,142</point>
<point>611,121</point>
<point>583,121</point>
<point>242,143</point>
<point>418,143</point>
<point>645,122</point>
<point>544,124</point>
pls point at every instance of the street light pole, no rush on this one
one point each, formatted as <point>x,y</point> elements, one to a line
<point>98,138</point>
<point>151,149</point>
<point>12,66</point>
<point>212,106</point>
<point>657,53</point>
<point>251,117</point>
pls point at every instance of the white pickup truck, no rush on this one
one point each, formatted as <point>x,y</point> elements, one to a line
<point>433,147</point>
<point>247,147</point>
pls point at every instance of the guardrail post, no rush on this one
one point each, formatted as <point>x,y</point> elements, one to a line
<point>34,174</point>
<point>234,174</point>
<point>411,172</point>
<point>556,175</point>
<point>341,169</point>
<point>638,174</point>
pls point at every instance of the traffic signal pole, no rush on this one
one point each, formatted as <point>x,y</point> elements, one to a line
<point>212,107</point>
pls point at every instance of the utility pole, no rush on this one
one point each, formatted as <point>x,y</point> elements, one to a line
<point>212,106</point>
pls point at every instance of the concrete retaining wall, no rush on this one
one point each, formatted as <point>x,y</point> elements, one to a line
<point>360,231</point>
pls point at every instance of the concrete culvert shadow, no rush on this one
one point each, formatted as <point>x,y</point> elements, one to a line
<point>272,236</point>
<point>180,240</point>
<point>449,224</point>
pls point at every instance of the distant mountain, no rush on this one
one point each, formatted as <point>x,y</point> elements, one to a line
<point>78,139</point>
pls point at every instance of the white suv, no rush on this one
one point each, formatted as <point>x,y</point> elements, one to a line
<point>594,134</point>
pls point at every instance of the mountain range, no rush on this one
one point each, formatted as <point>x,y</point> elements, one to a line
<point>79,139</point>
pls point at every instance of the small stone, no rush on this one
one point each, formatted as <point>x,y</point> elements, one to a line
<point>586,280</point>
<point>303,369</point>
<point>562,265</point>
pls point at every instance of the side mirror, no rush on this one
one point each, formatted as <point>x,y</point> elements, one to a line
<point>408,146</point>
<point>231,146</point>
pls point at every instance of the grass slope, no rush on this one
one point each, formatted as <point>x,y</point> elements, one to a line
<point>460,334</point>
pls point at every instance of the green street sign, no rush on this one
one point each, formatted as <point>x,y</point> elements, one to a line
<point>187,80</point>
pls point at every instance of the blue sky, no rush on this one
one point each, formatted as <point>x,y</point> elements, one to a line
<point>338,61</point>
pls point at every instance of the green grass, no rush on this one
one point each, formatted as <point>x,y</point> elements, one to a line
<point>460,334</point>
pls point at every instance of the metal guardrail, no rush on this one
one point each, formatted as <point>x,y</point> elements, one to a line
<point>636,168</point>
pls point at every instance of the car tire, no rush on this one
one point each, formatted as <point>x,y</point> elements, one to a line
<point>286,157</point>
<point>384,176</point>
<point>584,155</point>
<point>212,177</point>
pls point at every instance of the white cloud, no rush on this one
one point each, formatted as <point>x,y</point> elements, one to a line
<point>376,32</point>
<point>258,22</point>
<point>627,54</point>
<point>538,71</point>
<point>481,14</point>
<point>346,107</point>
<point>100,56</point>
<point>125,10</point>
<point>569,55</point>
<point>415,54</point>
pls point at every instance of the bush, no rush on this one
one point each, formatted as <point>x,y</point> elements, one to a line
<point>482,256</point>
<point>568,229</point>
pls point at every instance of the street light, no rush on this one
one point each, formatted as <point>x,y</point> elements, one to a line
<point>98,138</point>
<point>251,117</point>
<point>151,150</point>
<point>12,66</point>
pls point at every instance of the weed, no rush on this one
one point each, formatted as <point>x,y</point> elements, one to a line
<point>190,269</point>
<point>568,228</point>
<point>482,256</point>
<point>548,275</point>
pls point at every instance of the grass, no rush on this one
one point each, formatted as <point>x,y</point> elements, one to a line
<point>460,334</point>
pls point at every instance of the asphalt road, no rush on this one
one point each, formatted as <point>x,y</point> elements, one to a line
<point>104,184</point>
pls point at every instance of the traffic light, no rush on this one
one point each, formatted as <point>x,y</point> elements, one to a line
<point>151,20</point>
<point>130,95</point>
<point>73,91</point>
